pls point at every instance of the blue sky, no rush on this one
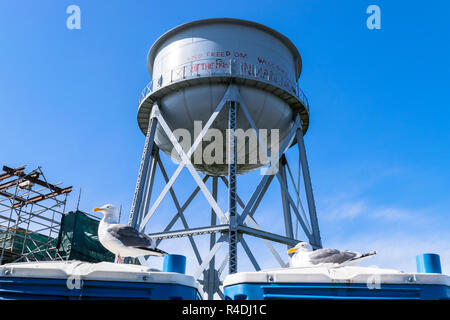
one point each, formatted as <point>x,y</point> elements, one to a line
<point>378,142</point>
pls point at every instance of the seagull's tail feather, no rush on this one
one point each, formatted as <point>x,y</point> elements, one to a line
<point>357,259</point>
<point>153,251</point>
<point>368,254</point>
<point>364,256</point>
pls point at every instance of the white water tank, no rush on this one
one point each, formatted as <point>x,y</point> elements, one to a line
<point>193,64</point>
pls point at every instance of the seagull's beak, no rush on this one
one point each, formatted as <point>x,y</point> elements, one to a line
<point>292,250</point>
<point>97,209</point>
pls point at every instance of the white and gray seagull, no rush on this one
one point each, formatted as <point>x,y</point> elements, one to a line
<point>304,256</point>
<point>123,240</point>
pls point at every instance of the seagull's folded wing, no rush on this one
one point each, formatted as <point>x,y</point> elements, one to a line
<point>330,256</point>
<point>129,236</point>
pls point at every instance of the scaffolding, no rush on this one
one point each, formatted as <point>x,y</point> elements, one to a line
<point>31,209</point>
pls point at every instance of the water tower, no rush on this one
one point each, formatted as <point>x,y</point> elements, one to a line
<point>213,78</point>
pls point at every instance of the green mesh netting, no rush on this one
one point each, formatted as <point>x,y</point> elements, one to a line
<point>18,242</point>
<point>78,238</point>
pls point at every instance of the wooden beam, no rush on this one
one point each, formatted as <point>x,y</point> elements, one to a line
<point>42,197</point>
<point>9,172</point>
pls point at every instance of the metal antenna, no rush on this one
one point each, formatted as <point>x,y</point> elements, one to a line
<point>79,197</point>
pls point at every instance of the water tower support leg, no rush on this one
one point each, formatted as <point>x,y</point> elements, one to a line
<point>149,184</point>
<point>140,184</point>
<point>211,274</point>
<point>285,201</point>
<point>232,163</point>
<point>308,189</point>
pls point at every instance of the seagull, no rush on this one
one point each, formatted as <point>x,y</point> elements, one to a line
<point>123,240</point>
<point>304,256</point>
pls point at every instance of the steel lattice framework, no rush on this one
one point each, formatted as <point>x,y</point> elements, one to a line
<point>232,225</point>
<point>30,215</point>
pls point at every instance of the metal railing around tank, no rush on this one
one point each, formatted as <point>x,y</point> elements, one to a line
<point>221,67</point>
